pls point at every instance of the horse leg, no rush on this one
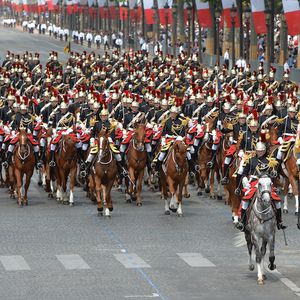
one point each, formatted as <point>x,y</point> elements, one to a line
<point>127,183</point>
<point>295,192</point>
<point>139,188</point>
<point>249,246</point>
<point>186,193</point>
<point>271,242</point>
<point>98,195</point>
<point>173,203</point>
<point>179,199</point>
<point>72,184</point>
<point>26,186</point>
<point>260,279</point>
<point>164,194</point>
<point>40,181</point>
<point>263,253</point>
<point>19,186</point>
<point>211,184</point>
<point>109,205</point>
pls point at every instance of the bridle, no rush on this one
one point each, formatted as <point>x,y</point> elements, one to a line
<point>104,152</point>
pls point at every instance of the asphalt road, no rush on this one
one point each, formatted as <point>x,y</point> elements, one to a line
<point>52,251</point>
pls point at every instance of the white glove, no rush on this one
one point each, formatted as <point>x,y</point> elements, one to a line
<point>92,142</point>
<point>110,140</point>
<point>231,140</point>
<point>245,183</point>
<point>241,154</point>
<point>190,123</point>
<point>219,124</point>
<point>280,140</point>
<point>163,141</point>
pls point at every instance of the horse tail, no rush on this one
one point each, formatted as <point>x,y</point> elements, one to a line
<point>239,240</point>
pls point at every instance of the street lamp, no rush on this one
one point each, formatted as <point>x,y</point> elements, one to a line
<point>174,12</point>
<point>136,25</point>
<point>166,8</point>
<point>189,11</point>
<point>218,14</point>
<point>233,16</point>
<point>247,14</point>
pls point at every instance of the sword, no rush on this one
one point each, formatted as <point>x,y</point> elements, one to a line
<point>298,224</point>
<point>283,230</point>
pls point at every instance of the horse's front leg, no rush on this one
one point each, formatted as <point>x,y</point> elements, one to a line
<point>186,193</point>
<point>173,202</point>
<point>26,186</point>
<point>132,183</point>
<point>18,178</point>
<point>271,243</point>
<point>98,195</point>
<point>211,184</point>
<point>109,205</point>
<point>249,246</point>
<point>139,187</point>
<point>258,258</point>
<point>72,184</point>
<point>179,198</point>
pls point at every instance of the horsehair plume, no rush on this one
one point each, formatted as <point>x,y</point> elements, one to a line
<point>25,100</point>
<point>18,99</point>
<point>263,136</point>
<point>168,95</point>
<point>255,114</point>
<point>270,100</point>
<point>245,108</point>
<point>178,101</point>
<point>66,100</point>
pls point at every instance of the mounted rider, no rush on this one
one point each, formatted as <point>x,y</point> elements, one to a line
<point>257,166</point>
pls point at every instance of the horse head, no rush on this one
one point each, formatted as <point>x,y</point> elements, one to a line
<point>24,148</point>
<point>68,143</point>
<point>139,137</point>
<point>180,151</point>
<point>103,142</point>
<point>265,190</point>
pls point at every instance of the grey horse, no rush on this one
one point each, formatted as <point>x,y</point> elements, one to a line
<point>260,230</point>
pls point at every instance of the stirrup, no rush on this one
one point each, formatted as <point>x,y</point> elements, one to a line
<point>210,164</point>
<point>124,172</point>
<point>192,174</point>
<point>240,226</point>
<point>52,163</point>
<point>197,168</point>
<point>83,173</point>
<point>5,164</point>
<point>224,180</point>
<point>39,165</point>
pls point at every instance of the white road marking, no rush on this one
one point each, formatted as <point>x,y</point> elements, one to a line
<point>131,261</point>
<point>14,263</point>
<point>287,282</point>
<point>154,295</point>
<point>73,262</point>
<point>195,260</point>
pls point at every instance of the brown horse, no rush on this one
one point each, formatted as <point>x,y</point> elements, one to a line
<point>103,174</point>
<point>174,176</point>
<point>205,176</point>
<point>24,162</point>
<point>66,165</point>
<point>289,171</point>
<point>136,161</point>
<point>231,198</point>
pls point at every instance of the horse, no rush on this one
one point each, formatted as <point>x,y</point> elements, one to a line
<point>205,176</point>
<point>174,176</point>
<point>103,175</point>
<point>66,165</point>
<point>136,162</point>
<point>260,230</point>
<point>289,170</point>
<point>231,198</point>
<point>24,163</point>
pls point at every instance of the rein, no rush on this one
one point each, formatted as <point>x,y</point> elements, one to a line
<point>27,153</point>
<point>103,156</point>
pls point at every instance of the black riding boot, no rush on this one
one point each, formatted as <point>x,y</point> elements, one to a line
<point>7,162</point>
<point>149,159</point>
<point>192,170</point>
<point>211,163</point>
<point>80,158</point>
<point>242,224</point>
<point>225,179</point>
<point>38,164</point>
<point>238,184</point>
<point>280,224</point>
<point>42,151</point>
<point>52,162</point>
<point>158,166</point>
<point>121,169</point>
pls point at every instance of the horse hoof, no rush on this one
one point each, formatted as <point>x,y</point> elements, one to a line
<point>219,197</point>
<point>99,209</point>
<point>260,281</point>
<point>173,209</point>
<point>285,211</point>
<point>251,267</point>
<point>100,213</point>
<point>199,193</point>
<point>207,190</point>
<point>272,267</point>
<point>71,204</point>
<point>107,216</point>
<point>40,183</point>
<point>139,204</point>
<point>187,195</point>
<point>180,215</point>
<point>167,212</point>
<point>264,277</point>
<point>128,201</point>
<point>296,213</point>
